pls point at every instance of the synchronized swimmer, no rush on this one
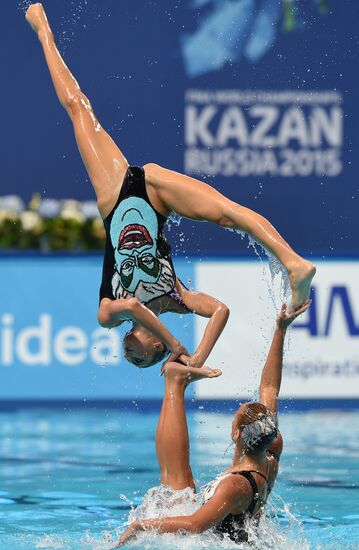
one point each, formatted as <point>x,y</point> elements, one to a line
<point>139,281</point>
<point>239,494</point>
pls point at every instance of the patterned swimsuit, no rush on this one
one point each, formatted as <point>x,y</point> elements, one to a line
<point>234,524</point>
<point>137,259</point>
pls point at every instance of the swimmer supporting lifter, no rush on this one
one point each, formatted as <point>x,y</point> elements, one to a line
<point>238,494</point>
<point>163,191</point>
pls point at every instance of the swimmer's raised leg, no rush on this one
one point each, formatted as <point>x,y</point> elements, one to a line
<point>171,191</point>
<point>172,440</point>
<point>104,161</point>
<point>167,190</point>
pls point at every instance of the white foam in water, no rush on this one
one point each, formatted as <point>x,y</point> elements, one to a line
<point>51,541</point>
<point>106,542</point>
<point>161,502</point>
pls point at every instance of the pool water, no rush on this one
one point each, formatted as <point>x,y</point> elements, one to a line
<point>69,479</point>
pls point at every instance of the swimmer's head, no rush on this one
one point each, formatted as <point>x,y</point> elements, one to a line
<point>143,349</point>
<point>254,427</point>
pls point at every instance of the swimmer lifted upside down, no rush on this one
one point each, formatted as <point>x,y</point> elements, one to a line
<point>139,281</point>
<point>239,493</point>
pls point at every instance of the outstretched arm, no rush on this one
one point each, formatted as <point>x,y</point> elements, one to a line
<point>218,314</point>
<point>232,493</point>
<point>272,371</point>
<point>113,312</point>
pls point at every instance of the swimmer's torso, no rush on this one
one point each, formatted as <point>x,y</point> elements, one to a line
<point>137,258</point>
<point>234,524</point>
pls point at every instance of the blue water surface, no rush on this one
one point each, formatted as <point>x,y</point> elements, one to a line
<point>69,479</point>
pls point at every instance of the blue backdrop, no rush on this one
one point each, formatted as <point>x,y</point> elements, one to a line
<point>258,97</point>
<point>50,343</point>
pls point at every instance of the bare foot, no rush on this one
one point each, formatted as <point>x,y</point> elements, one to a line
<point>36,17</point>
<point>181,373</point>
<point>300,274</point>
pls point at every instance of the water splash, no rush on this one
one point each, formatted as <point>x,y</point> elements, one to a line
<point>280,530</point>
<point>51,541</point>
<point>275,268</point>
<point>162,501</point>
<point>69,24</point>
<point>173,219</point>
<point>24,5</point>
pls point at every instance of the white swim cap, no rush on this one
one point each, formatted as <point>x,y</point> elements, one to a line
<point>262,430</point>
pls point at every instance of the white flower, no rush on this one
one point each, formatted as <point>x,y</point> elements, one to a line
<point>70,211</point>
<point>6,215</point>
<point>12,203</point>
<point>29,220</point>
<point>49,208</point>
<point>89,210</point>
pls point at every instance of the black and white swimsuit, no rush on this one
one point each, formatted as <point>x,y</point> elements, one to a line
<point>137,259</point>
<point>234,524</point>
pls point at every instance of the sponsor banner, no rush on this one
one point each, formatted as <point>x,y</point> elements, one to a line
<point>263,133</point>
<point>322,349</point>
<point>52,348</point>
<point>50,343</point>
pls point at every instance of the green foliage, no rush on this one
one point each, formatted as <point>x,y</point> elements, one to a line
<point>28,231</point>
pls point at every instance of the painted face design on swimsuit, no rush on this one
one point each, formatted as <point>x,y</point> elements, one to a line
<point>140,269</point>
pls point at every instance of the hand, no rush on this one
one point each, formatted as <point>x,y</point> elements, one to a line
<point>284,319</point>
<point>129,534</point>
<point>176,351</point>
<point>187,361</point>
<point>195,361</point>
<point>182,358</point>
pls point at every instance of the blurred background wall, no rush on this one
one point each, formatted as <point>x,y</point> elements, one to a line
<point>256,97</point>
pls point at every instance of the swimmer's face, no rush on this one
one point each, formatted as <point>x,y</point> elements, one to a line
<point>140,347</point>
